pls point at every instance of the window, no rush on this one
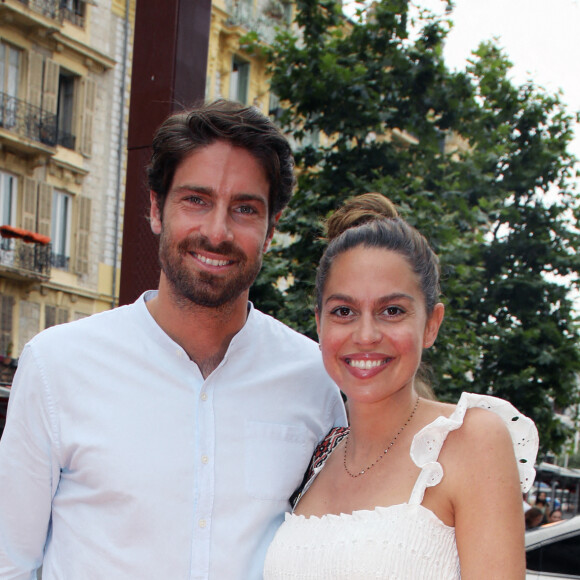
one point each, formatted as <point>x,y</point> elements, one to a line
<point>239,80</point>
<point>274,108</point>
<point>60,232</point>
<point>73,11</point>
<point>9,79</point>
<point>6,308</point>
<point>8,189</point>
<point>558,557</point>
<point>72,99</point>
<point>55,315</point>
<point>287,12</point>
<point>65,109</point>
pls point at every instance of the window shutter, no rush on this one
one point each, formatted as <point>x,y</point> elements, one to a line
<point>6,308</point>
<point>83,231</point>
<point>44,209</point>
<point>50,86</point>
<point>29,199</point>
<point>88,112</point>
<point>35,64</point>
<point>55,315</point>
<point>28,323</point>
<point>62,315</point>
<point>49,316</point>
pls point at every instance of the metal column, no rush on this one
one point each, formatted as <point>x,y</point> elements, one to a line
<point>169,71</point>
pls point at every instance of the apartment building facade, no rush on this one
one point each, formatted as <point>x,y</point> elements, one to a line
<point>64,81</point>
<point>64,95</point>
<point>233,73</point>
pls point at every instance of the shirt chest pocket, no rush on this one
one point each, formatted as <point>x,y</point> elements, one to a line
<point>276,457</point>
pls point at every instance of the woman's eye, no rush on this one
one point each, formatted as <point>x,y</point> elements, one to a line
<point>393,311</point>
<point>341,311</point>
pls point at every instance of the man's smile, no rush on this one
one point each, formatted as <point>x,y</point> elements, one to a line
<point>211,261</point>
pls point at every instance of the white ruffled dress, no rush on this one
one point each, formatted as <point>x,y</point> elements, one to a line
<point>399,542</point>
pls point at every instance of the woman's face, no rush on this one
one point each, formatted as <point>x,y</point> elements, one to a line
<point>373,324</point>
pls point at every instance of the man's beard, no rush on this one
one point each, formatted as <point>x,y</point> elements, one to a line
<point>203,288</point>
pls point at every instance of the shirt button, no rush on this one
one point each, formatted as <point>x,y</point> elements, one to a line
<point>204,458</point>
<point>204,396</point>
<point>202,523</point>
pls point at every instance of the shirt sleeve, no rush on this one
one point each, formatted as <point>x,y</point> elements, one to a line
<point>29,472</point>
<point>339,412</point>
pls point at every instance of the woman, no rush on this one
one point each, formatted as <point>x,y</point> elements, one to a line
<point>555,515</point>
<point>399,493</point>
<point>533,518</point>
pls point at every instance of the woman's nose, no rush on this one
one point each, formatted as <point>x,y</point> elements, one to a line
<point>367,331</point>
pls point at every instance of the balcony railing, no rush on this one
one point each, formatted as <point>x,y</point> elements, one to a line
<point>60,261</point>
<point>26,120</point>
<point>48,8</point>
<point>245,14</point>
<point>57,10</point>
<point>25,258</point>
<point>72,15</point>
<point>67,140</point>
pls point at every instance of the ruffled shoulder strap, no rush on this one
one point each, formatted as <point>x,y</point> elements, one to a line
<point>319,457</point>
<point>428,442</point>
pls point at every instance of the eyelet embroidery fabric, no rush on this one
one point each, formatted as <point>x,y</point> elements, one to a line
<point>399,542</point>
<point>428,442</point>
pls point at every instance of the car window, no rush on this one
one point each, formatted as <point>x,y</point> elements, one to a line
<point>560,557</point>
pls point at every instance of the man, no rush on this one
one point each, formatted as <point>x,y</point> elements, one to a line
<point>163,439</point>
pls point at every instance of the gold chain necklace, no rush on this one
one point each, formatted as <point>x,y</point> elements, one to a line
<point>363,471</point>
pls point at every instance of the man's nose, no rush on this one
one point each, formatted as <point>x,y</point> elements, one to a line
<point>216,226</point>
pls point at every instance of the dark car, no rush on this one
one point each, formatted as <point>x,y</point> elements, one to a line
<point>553,550</point>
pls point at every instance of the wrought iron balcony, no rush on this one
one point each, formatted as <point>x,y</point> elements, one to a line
<point>58,10</point>
<point>22,256</point>
<point>73,15</point>
<point>67,140</point>
<point>265,21</point>
<point>48,8</point>
<point>28,121</point>
<point>60,261</point>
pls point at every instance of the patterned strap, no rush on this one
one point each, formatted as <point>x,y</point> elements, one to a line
<point>321,453</point>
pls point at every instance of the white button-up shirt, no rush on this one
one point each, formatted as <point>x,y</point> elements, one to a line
<point>120,461</point>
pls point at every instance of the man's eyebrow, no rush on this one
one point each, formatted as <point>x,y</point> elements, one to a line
<point>195,189</point>
<point>251,197</point>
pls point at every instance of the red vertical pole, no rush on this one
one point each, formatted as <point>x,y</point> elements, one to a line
<point>169,70</point>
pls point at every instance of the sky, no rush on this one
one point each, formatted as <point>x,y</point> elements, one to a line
<point>540,37</point>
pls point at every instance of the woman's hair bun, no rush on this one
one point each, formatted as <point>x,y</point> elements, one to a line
<point>359,210</point>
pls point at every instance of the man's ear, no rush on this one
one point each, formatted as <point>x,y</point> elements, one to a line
<point>271,231</point>
<point>154,214</point>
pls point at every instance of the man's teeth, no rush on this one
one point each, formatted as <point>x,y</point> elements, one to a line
<point>212,262</point>
<point>365,364</point>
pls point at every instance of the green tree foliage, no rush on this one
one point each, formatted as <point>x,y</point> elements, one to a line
<point>499,213</point>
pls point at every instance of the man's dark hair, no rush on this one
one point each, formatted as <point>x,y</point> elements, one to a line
<point>222,120</point>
